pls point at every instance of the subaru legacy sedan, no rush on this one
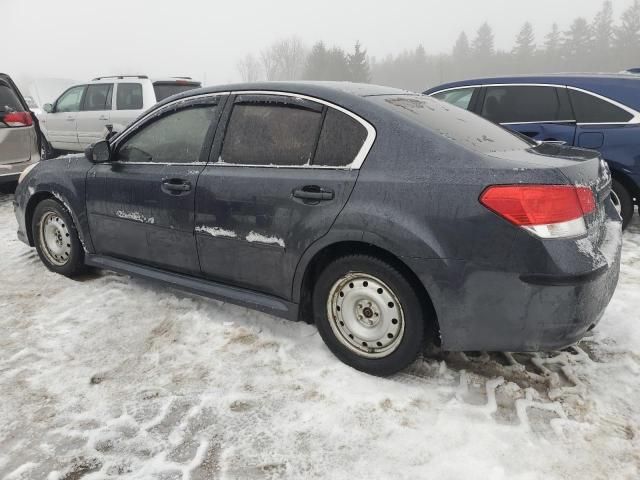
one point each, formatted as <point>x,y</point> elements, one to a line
<point>386,218</point>
<point>595,111</point>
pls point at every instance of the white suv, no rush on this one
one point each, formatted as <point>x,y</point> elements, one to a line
<point>84,113</point>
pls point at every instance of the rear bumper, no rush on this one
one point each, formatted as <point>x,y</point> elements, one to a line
<point>484,308</point>
<point>11,172</point>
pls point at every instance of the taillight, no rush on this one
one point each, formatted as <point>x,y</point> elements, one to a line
<point>17,119</point>
<point>548,211</point>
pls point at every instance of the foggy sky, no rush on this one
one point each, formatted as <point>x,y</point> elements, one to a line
<point>80,39</point>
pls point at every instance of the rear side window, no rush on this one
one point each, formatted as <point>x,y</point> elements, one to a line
<point>340,141</point>
<point>70,100</point>
<point>271,134</point>
<point>166,89</point>
<point>520,104</point>
<point>9,101</point>
<point>98,97</point>
<point>129,96</point>
<point>590,109</point>
<point>460,97</point>
<point>177,137</point>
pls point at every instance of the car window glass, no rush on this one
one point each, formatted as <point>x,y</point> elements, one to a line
<point>9,101</point>
<point>340,141</point>
<point>271,134</point>
<point>518,104</point>
<point>177,137</point>
<point>70,100</point>
<point>166,89</point>
<point>129,96</point>
<point>590,109</point>
<point>98,97</point>
<point>460,98</point>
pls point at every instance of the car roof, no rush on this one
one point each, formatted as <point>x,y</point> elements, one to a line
<point>621,87</point>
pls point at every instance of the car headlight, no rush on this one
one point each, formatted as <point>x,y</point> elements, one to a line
<point>25,172</point>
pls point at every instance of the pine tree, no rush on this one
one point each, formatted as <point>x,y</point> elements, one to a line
<point>578,43</point>
<point>525,42</point>
<point>483,45</point>
<point>316,63</point>
<point>627,36</point>
<point>462,49</point>
<point>358,65</point>
<point>603,27</point>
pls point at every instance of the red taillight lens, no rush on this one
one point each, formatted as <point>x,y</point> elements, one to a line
<point>531,205</point>
<point>17,119</point>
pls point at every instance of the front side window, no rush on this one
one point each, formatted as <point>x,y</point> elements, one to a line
<point>70,100</point>
<point>340,141</point>
<point>590,109</point>
<point>522,104</point>
<point>177,137</point>
<point>271,133</point>
<point>129,96</point>
<point>460,97</point>
<point>98,97</point>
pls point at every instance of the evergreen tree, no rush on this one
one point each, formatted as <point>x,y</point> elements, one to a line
<point>603,27</point>
<point>627,36</point>
<point>483,45</point>
<point>315,68</point>
<point>525,42</point>
<point>358,65</point>
<point>578,43</point>
<point>462,49</point>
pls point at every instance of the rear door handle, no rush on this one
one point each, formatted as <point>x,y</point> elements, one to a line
<point>175,186</point>
<point>313,192</point>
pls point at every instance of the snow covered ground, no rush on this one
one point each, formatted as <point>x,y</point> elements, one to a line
<point>108,376</point>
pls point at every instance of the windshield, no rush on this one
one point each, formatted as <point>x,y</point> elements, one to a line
<point>453,123</point>
<point>166,89</point>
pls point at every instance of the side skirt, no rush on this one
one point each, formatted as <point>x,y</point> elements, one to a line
<point>237,296</point>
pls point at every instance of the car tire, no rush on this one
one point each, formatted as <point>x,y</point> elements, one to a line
<point>623,202</point>
<point>46,150</point>
<point>56,239</point>
<point>369,314</point>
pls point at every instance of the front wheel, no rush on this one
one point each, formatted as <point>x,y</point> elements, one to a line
<point>623,201</point>
<point>369,315</point>
<point>56,239</point>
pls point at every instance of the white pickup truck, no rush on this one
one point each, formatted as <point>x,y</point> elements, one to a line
<point>84,113</point>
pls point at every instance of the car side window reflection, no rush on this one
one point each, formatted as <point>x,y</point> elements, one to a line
<point>177,137</point>
<point>70,100</point>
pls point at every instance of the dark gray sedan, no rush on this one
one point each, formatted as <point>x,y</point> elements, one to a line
<point>387,218</point>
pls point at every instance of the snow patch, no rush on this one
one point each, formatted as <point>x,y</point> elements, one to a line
<point>259,238</point>
<point>216,232</point>
<point>135,216</point>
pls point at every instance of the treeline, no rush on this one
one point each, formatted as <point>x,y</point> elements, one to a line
<point>601,44</point>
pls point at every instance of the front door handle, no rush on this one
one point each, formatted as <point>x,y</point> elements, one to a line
<point>103,117</point>
<point>313,193</point>
<point>176,186</point>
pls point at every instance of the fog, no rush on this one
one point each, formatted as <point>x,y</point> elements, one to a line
<point>80,39</point>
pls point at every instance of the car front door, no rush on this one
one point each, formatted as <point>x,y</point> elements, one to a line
<point>141,204</point>
<point>94,114</point>
<point>280,173</point>
<point>540,112</point>
<point>61,122</point>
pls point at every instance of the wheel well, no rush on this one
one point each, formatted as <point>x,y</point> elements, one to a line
<point>31,206</point>
<point>627,183</point>
<point>337,250</point>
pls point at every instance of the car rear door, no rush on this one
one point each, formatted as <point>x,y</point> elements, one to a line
<point>541,112</point>
<point>281,170</point>
<point>94,114</point>
<point>129,104</point>
<point>61,122</point>
<point>141,204</point>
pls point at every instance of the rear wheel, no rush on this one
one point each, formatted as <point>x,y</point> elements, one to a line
<point>56,239</point>
<point>368,314</point>
<point>623,201</point>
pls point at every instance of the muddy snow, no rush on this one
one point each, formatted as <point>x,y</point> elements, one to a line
<point>111,377</point>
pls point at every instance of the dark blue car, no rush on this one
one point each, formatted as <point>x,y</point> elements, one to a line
<point>594,111</point>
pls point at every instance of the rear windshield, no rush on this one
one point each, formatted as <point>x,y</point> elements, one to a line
<point>453,123</point>
<point>9,101</point>
<point>166,89</point>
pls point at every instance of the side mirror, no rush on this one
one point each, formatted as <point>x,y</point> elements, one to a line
<point>47,107</point>
<point>99,152</point>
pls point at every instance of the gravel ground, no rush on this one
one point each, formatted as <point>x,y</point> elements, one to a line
<point>112,377</point>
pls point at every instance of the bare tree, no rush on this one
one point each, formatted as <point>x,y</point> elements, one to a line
<point>284,59</point>
<point>249,68</point>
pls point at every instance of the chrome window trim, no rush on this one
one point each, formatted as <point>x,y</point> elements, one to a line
<point>197,164</point>
<point>541,121</point>
<point>636,115</point>
<point>356,164</point>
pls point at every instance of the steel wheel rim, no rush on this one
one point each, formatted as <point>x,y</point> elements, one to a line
<point>616,202</point>
<point>365,315</point>
<point>55,239</point>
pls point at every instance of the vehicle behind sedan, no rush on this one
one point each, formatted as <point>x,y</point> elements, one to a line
<point>386,218</point>
<point>18,132</point>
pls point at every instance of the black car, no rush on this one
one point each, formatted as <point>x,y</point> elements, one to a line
<point>386,217</point>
